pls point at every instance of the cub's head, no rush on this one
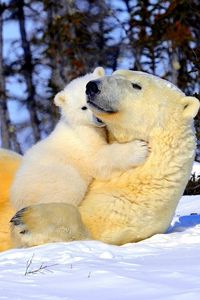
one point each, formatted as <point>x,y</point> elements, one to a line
<point>72,101</point>
<point>132,103</point>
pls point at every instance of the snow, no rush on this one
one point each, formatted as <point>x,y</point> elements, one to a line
<point>196,168</point>
<point>165,266</point>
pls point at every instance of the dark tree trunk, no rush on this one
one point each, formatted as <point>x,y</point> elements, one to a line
<point>4,114</point>
<point>28,69</point>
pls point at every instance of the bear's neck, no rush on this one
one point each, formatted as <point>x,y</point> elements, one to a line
<point>173,150</point>
<point>168,168</point>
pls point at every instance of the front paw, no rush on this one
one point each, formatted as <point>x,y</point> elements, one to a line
<point>139,152</point>
<point>46,223</point>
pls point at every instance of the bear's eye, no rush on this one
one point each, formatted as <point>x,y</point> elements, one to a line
<point>136,86</point>
<point>84,107</point>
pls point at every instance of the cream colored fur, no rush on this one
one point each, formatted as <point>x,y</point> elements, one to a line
<point>140,202</point>
<point>60,168</point>
<point>61,222</point>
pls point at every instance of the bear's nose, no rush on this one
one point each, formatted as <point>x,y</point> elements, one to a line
<point>92,88</point>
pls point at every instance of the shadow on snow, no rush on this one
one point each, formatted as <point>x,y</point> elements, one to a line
<point>185,222</point>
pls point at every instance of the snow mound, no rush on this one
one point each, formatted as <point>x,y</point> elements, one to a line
<point>196,168</point>
<point>166,266</point>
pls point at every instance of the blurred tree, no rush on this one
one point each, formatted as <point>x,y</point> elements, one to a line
<point>4,114</point>
<point>8,132</point>
<point>27,69</point>
<point>76,38</point>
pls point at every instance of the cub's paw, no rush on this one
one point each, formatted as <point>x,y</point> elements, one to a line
<point>46,223</point>
<point>139,152</point>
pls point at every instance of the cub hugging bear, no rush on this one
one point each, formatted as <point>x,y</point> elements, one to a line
<point>136,203</point>
<point>60,168</point>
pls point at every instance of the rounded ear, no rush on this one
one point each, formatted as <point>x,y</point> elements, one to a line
<point>99,71</point>
<point>190,107</point>
<point>59,99</point>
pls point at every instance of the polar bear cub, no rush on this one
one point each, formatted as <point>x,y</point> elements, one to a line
<point>60,168</point>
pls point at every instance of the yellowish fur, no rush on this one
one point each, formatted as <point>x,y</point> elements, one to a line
<point>141,202</point>
<point>9,163</point>
<point>60,222</point>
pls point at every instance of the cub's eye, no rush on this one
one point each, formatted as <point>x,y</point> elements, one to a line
<point>84,108</point>
<point>136,86</point>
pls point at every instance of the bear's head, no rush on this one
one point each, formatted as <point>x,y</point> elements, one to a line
<point>132,103</point>
<point>72,101</point>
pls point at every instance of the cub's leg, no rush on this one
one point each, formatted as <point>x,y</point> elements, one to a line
<point>46,223</point>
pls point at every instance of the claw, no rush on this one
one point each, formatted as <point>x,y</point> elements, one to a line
<point>24,231</point>
<point>45,223</point>
<point>17,219</point>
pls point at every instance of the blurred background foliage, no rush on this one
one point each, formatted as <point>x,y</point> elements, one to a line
<point>45,44</point>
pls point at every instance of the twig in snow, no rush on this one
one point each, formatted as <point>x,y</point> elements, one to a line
<point>41,268</point>
<point>89,274</point>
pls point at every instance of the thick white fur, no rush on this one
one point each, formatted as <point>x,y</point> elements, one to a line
<point>141,201</point>
<point>60,168</point>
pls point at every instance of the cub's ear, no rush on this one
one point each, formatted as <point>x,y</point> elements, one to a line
<point>59,99</point>
<point>99,71</point>
<point>190,107</point>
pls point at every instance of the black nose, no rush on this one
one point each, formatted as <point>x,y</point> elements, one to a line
<point>92,88</point>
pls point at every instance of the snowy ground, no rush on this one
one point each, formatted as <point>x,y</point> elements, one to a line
<point>166,266</point>
<point>196,168</point>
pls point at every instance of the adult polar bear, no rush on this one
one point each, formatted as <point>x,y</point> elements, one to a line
<point>140,202</point>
